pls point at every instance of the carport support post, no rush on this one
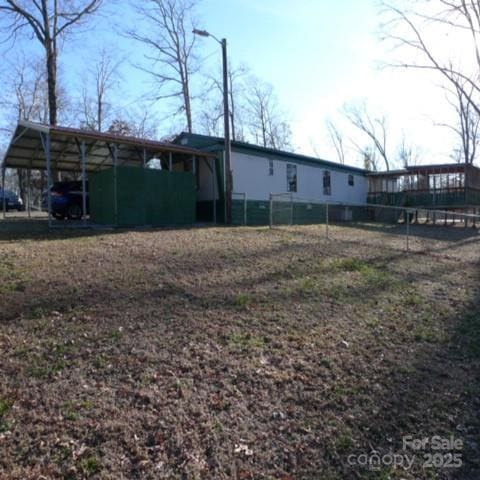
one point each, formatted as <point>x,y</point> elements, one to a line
<point>48,155</point>
<point>83,151</point>
<point>4,199</point>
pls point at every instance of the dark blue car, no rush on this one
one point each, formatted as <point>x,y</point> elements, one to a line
<point>67,201</point>
<point>12,201</point>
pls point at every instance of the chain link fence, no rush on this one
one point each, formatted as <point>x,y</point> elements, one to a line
<point>413,225</point>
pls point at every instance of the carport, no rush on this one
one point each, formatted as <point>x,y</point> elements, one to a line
<point>60,149</point>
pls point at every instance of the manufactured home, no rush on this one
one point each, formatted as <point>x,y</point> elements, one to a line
<point>259,172</point>
<point>133,181</point>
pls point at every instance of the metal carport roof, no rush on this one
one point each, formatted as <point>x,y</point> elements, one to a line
<point>27,149</point>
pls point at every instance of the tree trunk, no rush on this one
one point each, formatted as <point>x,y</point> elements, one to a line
<point>52,85</point>
<point>99,114</point>
<point>188,109</point>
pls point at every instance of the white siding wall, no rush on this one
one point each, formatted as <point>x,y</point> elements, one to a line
<point>250,176</point>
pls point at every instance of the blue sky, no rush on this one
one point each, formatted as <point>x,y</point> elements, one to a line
<point>302,47</point>
<point>318,55</point>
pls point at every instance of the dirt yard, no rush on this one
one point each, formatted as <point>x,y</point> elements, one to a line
<point>244,353</point>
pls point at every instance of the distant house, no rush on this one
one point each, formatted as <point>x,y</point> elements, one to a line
<point>258,172</point>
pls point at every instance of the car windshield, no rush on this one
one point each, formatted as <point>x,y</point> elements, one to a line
<point>8,193</point>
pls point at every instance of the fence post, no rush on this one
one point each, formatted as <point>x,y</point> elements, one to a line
<point>291,209</point>
<point>271,210</point>
<point>407,219</point>
<point>29,193</point>
<point>245,209</point>
<point>326,220</point>
<point>4,197</point>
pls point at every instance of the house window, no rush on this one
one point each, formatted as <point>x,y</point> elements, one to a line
<point>291,177</point>
<point>327,187</point>
<point>351,181</point>
<point>270,167</point>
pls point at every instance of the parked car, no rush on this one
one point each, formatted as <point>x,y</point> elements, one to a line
<point>67,201</point>
<point>12,200</point>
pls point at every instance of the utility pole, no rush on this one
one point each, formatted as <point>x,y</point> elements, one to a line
<point>226,118</point>
<point>228,144</point>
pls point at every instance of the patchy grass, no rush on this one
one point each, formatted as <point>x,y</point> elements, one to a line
<point>246,341</point>
<point>236,353</point>
<point>5,407</point>
<point>50,360</point>
<point>243,300</point>
<point>90,465</point>
<point>469,333</point>
<point>12,279</point>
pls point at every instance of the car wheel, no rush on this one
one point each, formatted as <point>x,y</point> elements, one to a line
<point>74,212</point>
<point>58,216</point>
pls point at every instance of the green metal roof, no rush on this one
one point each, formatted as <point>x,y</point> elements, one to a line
<point>205,142</point>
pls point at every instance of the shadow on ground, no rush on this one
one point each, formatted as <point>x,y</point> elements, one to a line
<point>304,350</point>
<point>19,229</point>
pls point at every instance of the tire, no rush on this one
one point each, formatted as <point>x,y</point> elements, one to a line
<point>58,216</point>
<point>74,212</point>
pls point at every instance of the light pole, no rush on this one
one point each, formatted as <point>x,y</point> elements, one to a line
<point>226,117</point>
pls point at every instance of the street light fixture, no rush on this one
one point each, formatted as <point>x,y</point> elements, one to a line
<point>226,115</point>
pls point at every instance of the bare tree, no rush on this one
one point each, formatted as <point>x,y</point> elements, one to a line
<point>145,123</point>
<point>210,119</point>
<point>26,91</point>
<point>417,31</point>
<point>467,126</point>
<point>373,127</point>
<point>25,98</point>
<point>236,91</point>
<point>139,123</point>
<point>99,82</point>
<point>268,126</point>
<point>336,139</point>
<point>46,21</point>
<point>213,113</point>
<point>172,44</point>
<point>369,157</point>
<point>407,153</point>
<point>122,127</point>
